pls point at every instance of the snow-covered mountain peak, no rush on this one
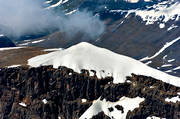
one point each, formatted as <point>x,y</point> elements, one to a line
<point>162,12</point>
<point>82,45</point>
<point>103,61</point>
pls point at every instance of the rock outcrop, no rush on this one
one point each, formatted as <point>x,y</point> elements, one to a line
<point>48,93</point>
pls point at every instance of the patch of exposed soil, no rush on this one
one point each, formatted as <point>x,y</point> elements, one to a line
<point>18,56</point>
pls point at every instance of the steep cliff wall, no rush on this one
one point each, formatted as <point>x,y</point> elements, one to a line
<point>48,93</point>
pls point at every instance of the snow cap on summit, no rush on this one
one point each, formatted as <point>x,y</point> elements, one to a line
<point>103,61</point>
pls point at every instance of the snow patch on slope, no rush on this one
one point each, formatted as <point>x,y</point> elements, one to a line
<point>168,44</point>
<point>177,68</point>
<point>161,12</point>
<point>147,0</point>
<point>23,104</point>
<point>24,44</point>
<point>52,49</point>
<point>44,101</point>
<point>135,1</point>
<point>171,60</point>
<point>9,48</point>
<point>38,41</point>
<point>173,99</point>
<point>71,12</point>
<point>55,5</point>
<point>60,2</point>
<point>13,66</point>
<point>172,27</point>
<point>154,117</point>
<point>48,2</point>
<point>132,1</point>
<point>161,26</point>
<point>32,42</point>
<point>166,65</point>
<point>149,62</point>
<point>103,61</point>
<point>128,104</point>
<point>168,71</point>
<point>1,35</point>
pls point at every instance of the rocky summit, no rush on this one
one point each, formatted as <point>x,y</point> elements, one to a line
<point>48,93</point>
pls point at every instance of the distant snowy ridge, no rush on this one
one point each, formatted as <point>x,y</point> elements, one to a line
<point>103,61</point>
<point>161,12</point>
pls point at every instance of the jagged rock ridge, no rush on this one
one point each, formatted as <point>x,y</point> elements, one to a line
<point>45,92</point>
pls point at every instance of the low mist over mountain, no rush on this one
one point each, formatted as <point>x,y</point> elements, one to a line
<point>30,17</point>
<point>139,29</point>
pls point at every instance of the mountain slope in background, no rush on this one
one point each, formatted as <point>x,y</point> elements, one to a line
<point>6,42</point>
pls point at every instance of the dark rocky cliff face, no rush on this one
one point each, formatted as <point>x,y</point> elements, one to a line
<point>63,91</point>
